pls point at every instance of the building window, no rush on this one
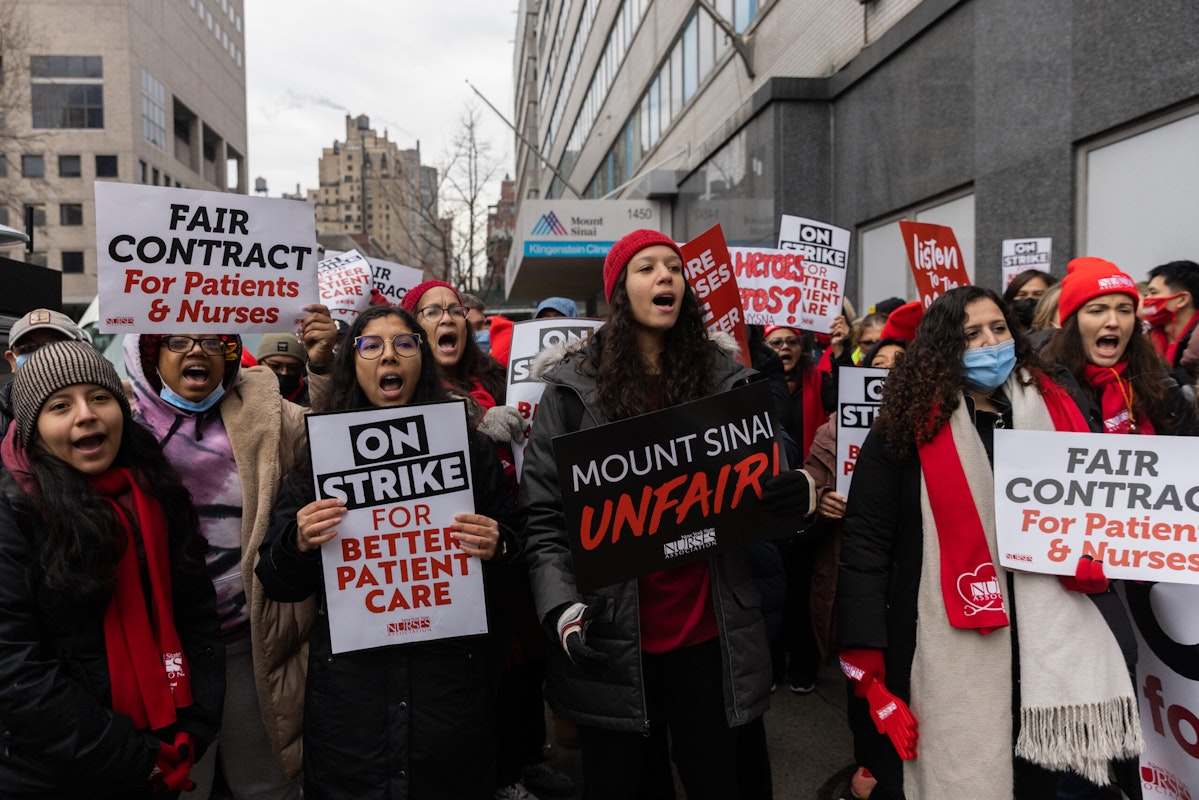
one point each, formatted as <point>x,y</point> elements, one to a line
<point>37,259</point>
<point>70,214</point>
<point>38,210</point>
<point>154,111</point>
<point>106,167</point>
<point>3,166</point>
<point>154,176</point>
<point>33,167</point>
<point>70,166</point>
<point>72,261</point>
<point>67,91</point>
<point>3,215</point>
<point>142,171</point>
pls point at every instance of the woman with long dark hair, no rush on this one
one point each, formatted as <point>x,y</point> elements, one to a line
<point>682,650</point>
<point>1025,663</point>
<point>412,721</point>
<point>111,668</point>
<point>1110,367</point>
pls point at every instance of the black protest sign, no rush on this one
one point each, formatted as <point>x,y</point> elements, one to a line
<point>673,486</point>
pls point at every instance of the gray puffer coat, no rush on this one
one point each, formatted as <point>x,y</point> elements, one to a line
<point>615,698</point>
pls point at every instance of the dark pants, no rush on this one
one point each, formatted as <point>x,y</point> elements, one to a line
<point>685,699</point>
<point>797,637</point>
<point>521,720</point>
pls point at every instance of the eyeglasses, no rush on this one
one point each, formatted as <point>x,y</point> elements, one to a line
<point>184,344</point>
<point>283,367</point>
<point>435,313</point>
<point>779,344</point>
<point>405,345</point>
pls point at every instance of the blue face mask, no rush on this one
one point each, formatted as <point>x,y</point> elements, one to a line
<point>988,367</point>
<point>168,394</point>
<point>483,337</point>
<point>21,359</point>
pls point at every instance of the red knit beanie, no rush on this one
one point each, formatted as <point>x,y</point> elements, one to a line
<point>623,251</point>
<point>772,328</point>
<point>1088,278</point>
<point>901,323</point>
<point>413,295</point>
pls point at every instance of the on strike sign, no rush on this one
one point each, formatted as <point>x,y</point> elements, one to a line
<point>204,262</point>
<point>935,259</point>
<point>394,574</point>
<point>859,399</point>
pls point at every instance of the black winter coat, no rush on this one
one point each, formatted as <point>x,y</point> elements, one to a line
<point>408,721</point>
<point>60,737</point>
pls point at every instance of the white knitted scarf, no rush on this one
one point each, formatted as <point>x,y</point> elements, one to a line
<point>1078,709</point>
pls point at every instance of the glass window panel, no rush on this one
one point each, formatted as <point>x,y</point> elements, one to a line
<point>690,59</point>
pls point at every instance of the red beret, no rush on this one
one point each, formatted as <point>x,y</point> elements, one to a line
<point>623,251</point>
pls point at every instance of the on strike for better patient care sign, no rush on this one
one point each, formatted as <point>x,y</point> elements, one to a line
<point>394,574</point>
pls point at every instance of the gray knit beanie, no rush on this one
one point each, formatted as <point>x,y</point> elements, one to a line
<point>56,366</point>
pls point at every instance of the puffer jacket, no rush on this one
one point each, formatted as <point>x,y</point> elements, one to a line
<point>59,736</point>
<point>264,431</point>
<point>615,700</point>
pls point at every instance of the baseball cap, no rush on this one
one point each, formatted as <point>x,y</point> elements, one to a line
<point>44,319</point>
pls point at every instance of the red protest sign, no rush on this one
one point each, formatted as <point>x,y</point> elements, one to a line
<point>935,259</point>
<point>710,273</point>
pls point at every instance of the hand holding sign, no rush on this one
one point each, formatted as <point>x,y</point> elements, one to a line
<point>316,523</point>
<point>476,534</point>
<point>318,334</point>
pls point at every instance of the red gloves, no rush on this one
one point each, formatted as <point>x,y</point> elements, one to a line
<point>892,717</point>
<point>1088,577</point>
<point>174,762</point>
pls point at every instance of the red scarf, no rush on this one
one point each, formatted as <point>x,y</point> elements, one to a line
<point>1116,399</point>
<point>146,665</point>
<point>969,580</point>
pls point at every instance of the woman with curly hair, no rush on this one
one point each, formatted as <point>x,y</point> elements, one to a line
<point>111,667</point>
<point>681,650</point>
<point>981,682</point>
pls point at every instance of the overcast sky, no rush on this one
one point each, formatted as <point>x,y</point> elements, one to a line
<point>402,63</point>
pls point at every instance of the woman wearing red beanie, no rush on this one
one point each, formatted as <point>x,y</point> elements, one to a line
<point>682,650</point>
<point>1110,367</point>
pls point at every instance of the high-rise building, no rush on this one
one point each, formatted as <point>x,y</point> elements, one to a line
<point>123,90</point>
<point>372,188</point>
<point>1004,120</point>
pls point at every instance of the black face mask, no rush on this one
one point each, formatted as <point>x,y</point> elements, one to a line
<point>1023,309</point>
<point>289,383</point>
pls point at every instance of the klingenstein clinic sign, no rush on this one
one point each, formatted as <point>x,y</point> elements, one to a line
<point>580,228</point>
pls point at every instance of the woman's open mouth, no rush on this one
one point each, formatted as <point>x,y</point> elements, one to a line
<point>392,386</point>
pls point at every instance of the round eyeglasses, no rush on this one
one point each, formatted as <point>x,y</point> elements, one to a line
<point>405,345</point>
<point>184,344</point>
<point>435,313</point>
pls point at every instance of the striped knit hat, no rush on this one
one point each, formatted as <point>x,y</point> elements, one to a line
<point>56,366</point>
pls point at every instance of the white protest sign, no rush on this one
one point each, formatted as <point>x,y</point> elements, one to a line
<point>529,338</point>
<point>394,574</point>
<point>859,397</point>
<point>781,288</point>
<point>181,260</point>
<point>1129,501</point>
<point>394,280</point>
<point>345,282</point>
<point>1163,616</point>
<point>1022,254</point>
<point>818,242</point>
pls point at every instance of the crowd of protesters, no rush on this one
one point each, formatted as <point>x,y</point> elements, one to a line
<point>163,619</point>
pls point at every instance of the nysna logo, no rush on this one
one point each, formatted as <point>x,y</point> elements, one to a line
<point>549,224</point>
<point>980,589</point>
<point>1157,779</point>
